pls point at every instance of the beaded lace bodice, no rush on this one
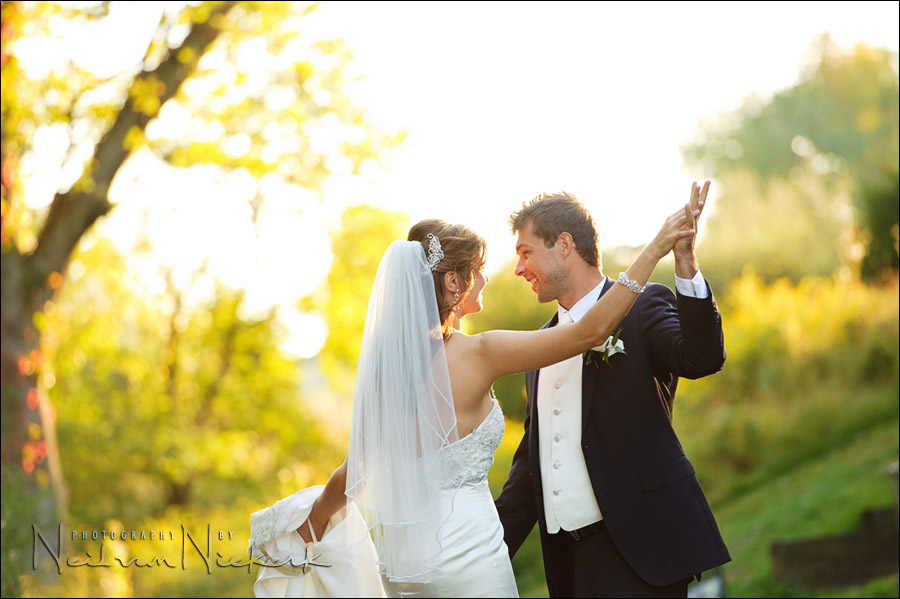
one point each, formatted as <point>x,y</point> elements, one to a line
<point>468,460</point>
<point>465,462</point>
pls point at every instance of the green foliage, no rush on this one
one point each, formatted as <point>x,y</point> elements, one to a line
<point>357,247</point>
<point>792,227</point>
<point>878,201</point>
<point>170,414</point>
<point>808,367</point>
<point>277,97</point>
<point>16,503</point>
<point>816,150</point>
<point>255,99</point>
<point>162,404</point>
<point>844,108</point>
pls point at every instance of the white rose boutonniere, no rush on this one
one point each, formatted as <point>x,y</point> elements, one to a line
<point>612,346</point>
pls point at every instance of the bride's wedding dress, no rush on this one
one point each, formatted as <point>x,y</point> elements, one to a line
<point>474,560</point>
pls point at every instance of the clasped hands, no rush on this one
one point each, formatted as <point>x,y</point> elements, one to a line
<point>685,256</point>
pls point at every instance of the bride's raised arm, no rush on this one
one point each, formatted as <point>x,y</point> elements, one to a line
<point>508,352</point>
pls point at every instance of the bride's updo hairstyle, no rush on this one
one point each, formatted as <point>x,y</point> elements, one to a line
<point>464,253</point>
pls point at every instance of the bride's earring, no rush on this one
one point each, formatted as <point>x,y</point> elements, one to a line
<point>456,298</point>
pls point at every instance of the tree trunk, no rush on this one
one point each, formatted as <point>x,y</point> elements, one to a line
<point>26,494</point>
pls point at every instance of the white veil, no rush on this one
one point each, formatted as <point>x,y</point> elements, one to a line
<point>403,415</point>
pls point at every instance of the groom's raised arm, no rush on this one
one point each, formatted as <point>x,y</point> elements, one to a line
<point>515,505</point>
<point>683,335</point>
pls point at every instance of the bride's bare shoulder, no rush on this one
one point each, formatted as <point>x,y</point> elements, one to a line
<point>458,339</point>
<point>469,374</point>
<point>462,345</point>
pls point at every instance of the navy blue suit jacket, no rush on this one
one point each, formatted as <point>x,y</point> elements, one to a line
<point>651,501</point>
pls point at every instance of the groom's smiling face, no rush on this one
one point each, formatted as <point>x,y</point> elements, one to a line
<point>539,265</point>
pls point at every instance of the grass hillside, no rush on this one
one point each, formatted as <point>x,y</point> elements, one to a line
<point>824,496</point>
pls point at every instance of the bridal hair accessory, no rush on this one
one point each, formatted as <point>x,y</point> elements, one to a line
<point>435,253</point>
<point>630,283</point>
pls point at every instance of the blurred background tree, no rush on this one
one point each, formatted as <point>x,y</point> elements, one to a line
<point>807,181</point>
<point>357,247</point>
<point>179,405</point>
<point>254,116</point>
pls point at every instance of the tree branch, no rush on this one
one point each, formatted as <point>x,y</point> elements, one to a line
<point>72,213</point>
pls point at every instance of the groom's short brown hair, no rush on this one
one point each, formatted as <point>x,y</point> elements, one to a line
<point>551,214</point>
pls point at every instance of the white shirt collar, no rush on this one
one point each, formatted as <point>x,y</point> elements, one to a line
<point>584,304</point>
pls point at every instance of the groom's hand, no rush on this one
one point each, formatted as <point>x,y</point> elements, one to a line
<point>685,256</point>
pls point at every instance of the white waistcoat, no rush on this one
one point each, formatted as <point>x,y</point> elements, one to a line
<point>569,501</point>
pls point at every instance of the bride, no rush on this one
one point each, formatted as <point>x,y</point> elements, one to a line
<point>425,422</point>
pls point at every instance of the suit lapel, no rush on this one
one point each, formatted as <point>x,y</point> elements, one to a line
<point>589,374</point>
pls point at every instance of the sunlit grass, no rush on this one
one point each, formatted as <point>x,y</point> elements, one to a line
<point>825,496</point>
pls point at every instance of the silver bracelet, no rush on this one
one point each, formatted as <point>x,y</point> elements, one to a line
<point>630,283</point>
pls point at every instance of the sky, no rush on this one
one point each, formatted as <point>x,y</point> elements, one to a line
<point>504,101</point>
<point>501,101</point>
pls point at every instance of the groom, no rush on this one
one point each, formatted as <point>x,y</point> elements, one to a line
<point>600,469</point>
